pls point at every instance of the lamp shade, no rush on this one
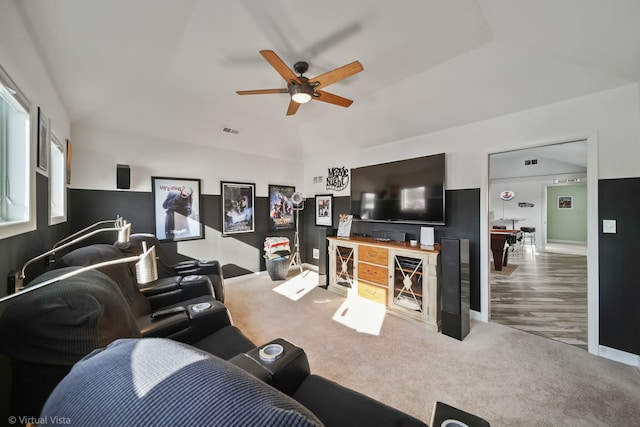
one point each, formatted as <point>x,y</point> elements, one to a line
<point>147,267</point>
<point>301,93</point>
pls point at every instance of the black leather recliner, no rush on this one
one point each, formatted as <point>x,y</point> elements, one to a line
<point>201,321</point>
<point>211,268</point>
<point>153,382</point>
<point>119,385</point>
<point>45,331</point>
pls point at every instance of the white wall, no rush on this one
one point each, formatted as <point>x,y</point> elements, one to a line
<point>19,57</point>
<point>97,152</point>
<point>614,115</point>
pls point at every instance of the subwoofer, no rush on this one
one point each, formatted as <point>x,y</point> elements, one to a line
<point>455,286</point>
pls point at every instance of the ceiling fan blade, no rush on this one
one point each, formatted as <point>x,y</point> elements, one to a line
<point>332,99</point>
<point>338,74</point>
<point>277,63</point>
<point>293,108</point>
<point>260,91</point>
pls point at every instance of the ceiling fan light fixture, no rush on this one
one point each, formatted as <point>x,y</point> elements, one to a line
<point>301,93</point>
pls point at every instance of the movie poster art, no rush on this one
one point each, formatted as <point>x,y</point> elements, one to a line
<point>238,202</point>
<point>176,204</point>
<point>281,212</point>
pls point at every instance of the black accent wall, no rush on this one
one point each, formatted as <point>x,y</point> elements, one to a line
<point>89,206</point>
<point>619,199</point>
<point>619,283</point>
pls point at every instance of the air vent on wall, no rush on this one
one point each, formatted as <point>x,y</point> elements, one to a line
<point>227,129</point>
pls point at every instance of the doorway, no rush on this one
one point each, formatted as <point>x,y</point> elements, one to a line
<point>545,292</point>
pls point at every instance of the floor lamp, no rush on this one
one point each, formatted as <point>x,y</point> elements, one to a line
<point>298,205</point>
<point>124,232</point>
<point>146,271</point>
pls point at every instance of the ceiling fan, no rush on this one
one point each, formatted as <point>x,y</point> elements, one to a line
<point>302,89</point>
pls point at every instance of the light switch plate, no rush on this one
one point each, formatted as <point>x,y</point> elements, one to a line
<point>609,226</point>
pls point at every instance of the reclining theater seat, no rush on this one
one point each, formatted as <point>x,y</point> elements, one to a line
<point>46,331</point>
<point>210,328</point>
<point>161,293</point>
<point>211,269</point>
<point>182,387</point>
<point>333,404</point>
<point>119,386</point>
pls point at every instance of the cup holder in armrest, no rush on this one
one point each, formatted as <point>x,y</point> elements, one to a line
<point>279,363</point>
<point>270,353</point>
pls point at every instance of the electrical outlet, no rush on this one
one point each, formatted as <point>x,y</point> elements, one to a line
<point>316,253</point>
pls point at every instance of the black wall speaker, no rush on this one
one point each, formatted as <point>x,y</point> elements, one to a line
<point>123,177</point>
<point>455,286</point>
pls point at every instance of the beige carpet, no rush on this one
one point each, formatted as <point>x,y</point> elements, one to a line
<point>509,377</point>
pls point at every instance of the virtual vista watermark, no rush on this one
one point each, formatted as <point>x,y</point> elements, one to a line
<point>40,421</point>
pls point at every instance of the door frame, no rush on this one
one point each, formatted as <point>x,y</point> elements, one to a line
<point>593,315</point>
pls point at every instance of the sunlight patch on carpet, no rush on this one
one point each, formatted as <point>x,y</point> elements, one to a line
<point>361,314</point>
<point>298,286</point>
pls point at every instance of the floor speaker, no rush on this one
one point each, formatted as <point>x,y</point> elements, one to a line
<point>455,286</point>
<point>323,261</point>
<point>123,177</point>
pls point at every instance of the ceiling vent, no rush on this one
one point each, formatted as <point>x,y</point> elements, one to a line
<point>227,129</point>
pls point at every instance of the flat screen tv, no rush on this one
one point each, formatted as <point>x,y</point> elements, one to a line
<point>410,191</point>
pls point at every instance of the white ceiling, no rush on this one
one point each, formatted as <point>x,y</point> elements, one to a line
<point>169,69</point>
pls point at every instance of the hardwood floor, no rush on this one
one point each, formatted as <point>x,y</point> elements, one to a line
<point>546,295</point>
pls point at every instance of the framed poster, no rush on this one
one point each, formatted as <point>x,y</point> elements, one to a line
<point>281,212</point>
<point>344,225</point>
<point>43,141</point>
<point>238,201</point>
<point>176,204</point>
<point>565,202</point>
<point>324,208</point>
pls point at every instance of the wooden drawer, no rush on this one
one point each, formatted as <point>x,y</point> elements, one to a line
<point>373,254</point>
<point>372,292</point>
<point>373,273</point>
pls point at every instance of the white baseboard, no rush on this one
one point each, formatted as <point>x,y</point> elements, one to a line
<point>476,315</point>
<point>619,356</point>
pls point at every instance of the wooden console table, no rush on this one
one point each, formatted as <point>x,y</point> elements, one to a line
<point>402,277</point>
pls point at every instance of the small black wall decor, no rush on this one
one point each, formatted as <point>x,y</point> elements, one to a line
<point>176,204</point>
<point>337,178</point>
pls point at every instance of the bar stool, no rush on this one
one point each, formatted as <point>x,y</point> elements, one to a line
<point>528,235</point>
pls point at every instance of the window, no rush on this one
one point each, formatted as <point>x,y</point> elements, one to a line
<point>57,176</point>
<point>16,185</point>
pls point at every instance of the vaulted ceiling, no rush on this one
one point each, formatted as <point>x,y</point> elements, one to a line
<point>169,69</point>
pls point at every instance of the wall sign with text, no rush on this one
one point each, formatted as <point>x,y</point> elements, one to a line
<point>337,178</point>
